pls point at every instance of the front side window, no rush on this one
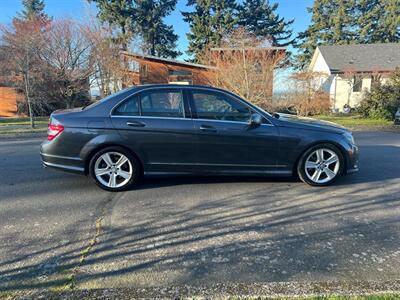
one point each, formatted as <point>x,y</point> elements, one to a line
<point>215,106</point>
<point>163,104</point>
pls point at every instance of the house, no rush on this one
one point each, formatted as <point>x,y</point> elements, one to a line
<point>347,71</point>
<point>146,69</point>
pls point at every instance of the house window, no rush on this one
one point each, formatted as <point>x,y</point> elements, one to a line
<point>375,81</point>
<point>143,71</point>
<point>357,84</point>
<point>133,66</point>
<point>179,72</point>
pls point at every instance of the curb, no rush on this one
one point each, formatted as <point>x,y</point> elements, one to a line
<point>218,291</point>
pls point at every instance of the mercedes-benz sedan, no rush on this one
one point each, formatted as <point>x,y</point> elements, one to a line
<point>175,129</point>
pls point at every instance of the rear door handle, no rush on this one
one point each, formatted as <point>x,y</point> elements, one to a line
<point>135,124</point>
<point>208,128</point>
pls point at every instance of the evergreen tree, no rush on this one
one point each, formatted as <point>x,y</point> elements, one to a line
<point>209,22</point>
<point>118,13</point>
<point>349,21</point>
<point>259,17</point>
<point>32,9</point>
<point>159,37</point>
<point>378,21</point>
<point>332,22</point>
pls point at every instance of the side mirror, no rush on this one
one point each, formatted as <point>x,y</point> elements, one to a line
<point>255,120</point>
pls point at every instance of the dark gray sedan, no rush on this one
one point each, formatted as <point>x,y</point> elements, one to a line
<point>174,129</point>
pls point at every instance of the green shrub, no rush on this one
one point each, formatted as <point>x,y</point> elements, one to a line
<point>383,101</point>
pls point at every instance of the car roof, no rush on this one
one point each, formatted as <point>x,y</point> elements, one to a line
<point>183,86</point>
<point>166,85</point>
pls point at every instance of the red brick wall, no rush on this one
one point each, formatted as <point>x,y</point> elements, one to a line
<point>8,101</point>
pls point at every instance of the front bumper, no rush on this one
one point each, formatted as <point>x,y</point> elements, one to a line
<point>352,159</point>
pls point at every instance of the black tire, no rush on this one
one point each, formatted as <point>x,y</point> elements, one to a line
<point>301,170</point>
<point>136,168</point>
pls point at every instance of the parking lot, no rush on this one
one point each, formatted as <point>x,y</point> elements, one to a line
<point>60,230</point>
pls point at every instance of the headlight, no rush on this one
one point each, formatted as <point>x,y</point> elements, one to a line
<point>349,137</point>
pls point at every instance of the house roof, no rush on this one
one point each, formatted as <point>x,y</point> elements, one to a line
<point>166,60</point>
<point>251,49</point>
<point>362,57</point>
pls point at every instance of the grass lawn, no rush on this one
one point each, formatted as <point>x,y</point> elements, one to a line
<point>23,121</point>
<point>18,126</point>
<point>353,120</point>
<point>371,297</point>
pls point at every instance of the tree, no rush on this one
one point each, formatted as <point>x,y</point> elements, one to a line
<point>21,45</point>
<point>260,18</point>
<point>332,22</point>
<point>243,65</point>
<point>33,9</point>
<point>209,22</point>
<point>108,68</point>
<point>118,14</point>
<point>66,61</point>
<point>304,96</point>
<point>378,21</point>
<point>349,21</point>
<point>159,38</point>
<point>384,100</point>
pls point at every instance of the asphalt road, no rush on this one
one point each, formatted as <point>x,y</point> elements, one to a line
<point>60,230</point>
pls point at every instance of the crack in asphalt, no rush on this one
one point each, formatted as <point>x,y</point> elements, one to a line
<point>102,211</point>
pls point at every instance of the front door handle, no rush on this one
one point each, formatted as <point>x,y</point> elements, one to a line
<point>135,124</point>
<point>208,128</point>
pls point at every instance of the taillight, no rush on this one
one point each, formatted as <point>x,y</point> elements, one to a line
<point>53,130</point>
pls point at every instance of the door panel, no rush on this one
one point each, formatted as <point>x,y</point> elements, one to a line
<point>162,142</point>
<point>156,126</point>
<point>234,144</point>
<point>225,138</point>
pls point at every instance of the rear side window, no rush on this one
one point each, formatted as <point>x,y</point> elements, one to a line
<point>129,107</point>
<point>153,104</point>
<point>163,104</point>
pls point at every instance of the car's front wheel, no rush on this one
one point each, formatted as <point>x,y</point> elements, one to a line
<point>114,169</point>
<point>320,165</point>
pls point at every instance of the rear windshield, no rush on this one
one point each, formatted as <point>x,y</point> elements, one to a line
<point>106,98</point>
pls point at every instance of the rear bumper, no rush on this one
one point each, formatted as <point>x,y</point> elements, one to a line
<point>64,163</point>
<point>65,168</point>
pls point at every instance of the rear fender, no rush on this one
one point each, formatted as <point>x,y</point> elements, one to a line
<point>102,141</point>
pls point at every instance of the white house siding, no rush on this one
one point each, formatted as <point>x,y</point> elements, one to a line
<point>345,95</point>
<point>319,64</point>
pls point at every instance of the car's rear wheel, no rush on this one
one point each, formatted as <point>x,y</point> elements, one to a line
<point>320,165</point>
<point>114,169</point>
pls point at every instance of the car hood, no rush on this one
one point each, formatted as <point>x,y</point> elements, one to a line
<point>308,123</point>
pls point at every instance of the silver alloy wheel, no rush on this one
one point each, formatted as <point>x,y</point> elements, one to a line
<point>322,165</point>
<point>113,169</point>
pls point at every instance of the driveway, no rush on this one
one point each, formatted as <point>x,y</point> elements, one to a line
<point>60,230</point>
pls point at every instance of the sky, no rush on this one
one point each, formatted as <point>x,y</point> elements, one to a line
<point>289,9</point>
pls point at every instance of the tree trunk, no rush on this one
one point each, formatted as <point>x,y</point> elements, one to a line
<point>28,98</point>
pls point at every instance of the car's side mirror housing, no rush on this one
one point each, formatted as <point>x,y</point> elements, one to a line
<point>255,120</point>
